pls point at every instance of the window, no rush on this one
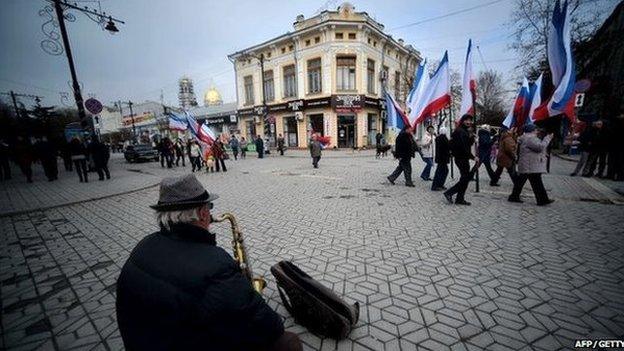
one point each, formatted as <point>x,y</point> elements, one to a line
<point>291,47</point>
<point>351,36</point>
<point>249,96</point>
<point>268,55</point>
<point>370,76</point>
<point>314,76</point>
<point>339,36</point>
<point>269,87</point>
<point>345,73</point>
<point>290,84</point>
<point>317,40</point>
<point>284,50</point>
<point>374,44</point>
<point>307,42</point>
<point>397,85</point>
<point>369,40</point>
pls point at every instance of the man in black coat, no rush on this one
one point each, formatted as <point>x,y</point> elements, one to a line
<point>260,147</point>
<point>101,155</point>
<point>442,159</point>
<point>404,151</point>
<point>461,143</point>
<point>179,291</point>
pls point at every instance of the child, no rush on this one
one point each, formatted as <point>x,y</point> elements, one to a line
<point>209,160</point>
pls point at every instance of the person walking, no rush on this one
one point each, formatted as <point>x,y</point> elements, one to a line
<point>426,152</point>
<point>442,159</point>
<point>506,156</point>
<point>79,157</point>
<point>280,144</point>
<point>485,152</point>
<point>100,154</point>
<point>404,151</point>
<point>315,150</point>
<point>243,147</point>
<point>260,147</point>
<point>46,153</point>
<point>586,141</point>
<point>234,145</point>
<point>195,155</point>
<point>532,161</point>
<point>461,148</point>
<point>179,152</point>
<point>5,167</point>
<point>597,151</point>
<point>219,155</point>
<point>24,157</point>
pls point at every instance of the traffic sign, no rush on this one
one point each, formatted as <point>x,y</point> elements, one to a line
<point>93,105</point>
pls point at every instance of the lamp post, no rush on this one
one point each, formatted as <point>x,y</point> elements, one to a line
<point>100,17</point>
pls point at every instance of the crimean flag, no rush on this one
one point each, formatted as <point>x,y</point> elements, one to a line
<point>421,79</point>
<point>435,97</point>
<point>469,85</point>
<point>396,117</point>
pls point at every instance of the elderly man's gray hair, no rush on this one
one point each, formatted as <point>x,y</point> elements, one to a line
<point>166,218</point>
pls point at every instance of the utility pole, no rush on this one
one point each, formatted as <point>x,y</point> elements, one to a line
<point>17,114</point>
<point>134,136</point>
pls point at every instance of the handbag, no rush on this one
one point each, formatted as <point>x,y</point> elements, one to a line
<point>313,305</point>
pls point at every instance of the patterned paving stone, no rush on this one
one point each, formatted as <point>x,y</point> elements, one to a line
<point>428,276</point>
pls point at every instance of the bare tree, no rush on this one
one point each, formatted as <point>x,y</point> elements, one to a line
<point>530,20</point>
<point>490,95</point>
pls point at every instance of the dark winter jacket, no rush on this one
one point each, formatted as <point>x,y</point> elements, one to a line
<point>259,144</point>
<point>404,147</point>
<point>77,148</point>
<point>442,149</point>
<point>179,291</point>
<point>99,152</point>
<point>461,143</point>
<point>485,144</point>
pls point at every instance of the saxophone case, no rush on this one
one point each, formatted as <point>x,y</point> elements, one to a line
<point>313,305</point>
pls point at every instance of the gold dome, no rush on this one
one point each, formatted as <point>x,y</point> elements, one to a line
<point>212,97</point>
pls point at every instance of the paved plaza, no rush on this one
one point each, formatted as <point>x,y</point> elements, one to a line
<point>428,275</point>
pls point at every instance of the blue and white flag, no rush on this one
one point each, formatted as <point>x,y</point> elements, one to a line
<point>177,122</point>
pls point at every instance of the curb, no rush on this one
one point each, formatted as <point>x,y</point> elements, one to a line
<point>21,212</point>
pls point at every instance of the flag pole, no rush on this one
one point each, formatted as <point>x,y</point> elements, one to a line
<point>474,111</point>
<point>451,121</point>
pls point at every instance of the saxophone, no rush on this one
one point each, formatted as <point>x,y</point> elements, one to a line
<point>240,253</point>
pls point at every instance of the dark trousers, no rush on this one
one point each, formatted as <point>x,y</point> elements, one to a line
<point>405,166</point>
<point>26,168</point>
<point>510,170</point>
<point>281,150</point>
<point>439,177</point>
<point>67,162</point>
<point>178,158</point>
<point>81,169</point>
<point>460,187</point>
<point>260,153</point>
<point>615,166</point>
<point>50,168</point>
<point>596,158</point>
<point>536,183</point>
<point>195,163</point>
<point>102,170</point>
<point>5,169</point>
<point>235,153</point>
<point>426,173</point>
<point>488,167</point>
<point>315,161</point>
<point>220,160</point>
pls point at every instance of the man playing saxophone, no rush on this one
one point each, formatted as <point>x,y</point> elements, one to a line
<point>179,291</point>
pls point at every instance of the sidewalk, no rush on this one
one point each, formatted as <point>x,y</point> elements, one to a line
<point>618,187</point>
<point>18,196</point>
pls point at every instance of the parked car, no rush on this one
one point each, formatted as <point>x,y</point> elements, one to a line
<point>136,153</point>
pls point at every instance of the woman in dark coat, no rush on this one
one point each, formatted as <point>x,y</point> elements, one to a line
<point>442,159</point>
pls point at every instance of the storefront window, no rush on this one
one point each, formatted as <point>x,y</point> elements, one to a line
<point>345,73</point>
<point>290,131</point>
<point>346,131</point>
<point>316,123</point>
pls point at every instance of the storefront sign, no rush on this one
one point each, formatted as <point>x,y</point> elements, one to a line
<point>373,103</point>
<point>318,103</point>
<point>246,112</point>
<point>230,119</point>
<point>347,103</point>
<point>138,118</point>
<point>291,106</point>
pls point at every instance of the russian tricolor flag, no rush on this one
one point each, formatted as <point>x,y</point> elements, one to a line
<point>469,85</point>
<point>536,98</point>
<point>518,114</point>
<point>395,115</point>
<point>177,122</point>
<point>561,65</point>
<point>201,132</point>
<point>436,95</point>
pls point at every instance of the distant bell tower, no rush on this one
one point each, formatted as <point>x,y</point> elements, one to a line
<point>186,95</point>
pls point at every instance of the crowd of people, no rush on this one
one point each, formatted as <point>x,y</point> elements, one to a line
<point>85,155</point>
<point>523,153</point>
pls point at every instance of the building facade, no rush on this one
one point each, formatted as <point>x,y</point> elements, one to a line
<point>221,118</point>
<point>327,76</point>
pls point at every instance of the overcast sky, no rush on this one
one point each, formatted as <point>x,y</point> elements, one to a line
<point>164,39</point>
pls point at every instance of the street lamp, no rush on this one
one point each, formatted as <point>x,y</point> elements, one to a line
<point>53,47</point>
